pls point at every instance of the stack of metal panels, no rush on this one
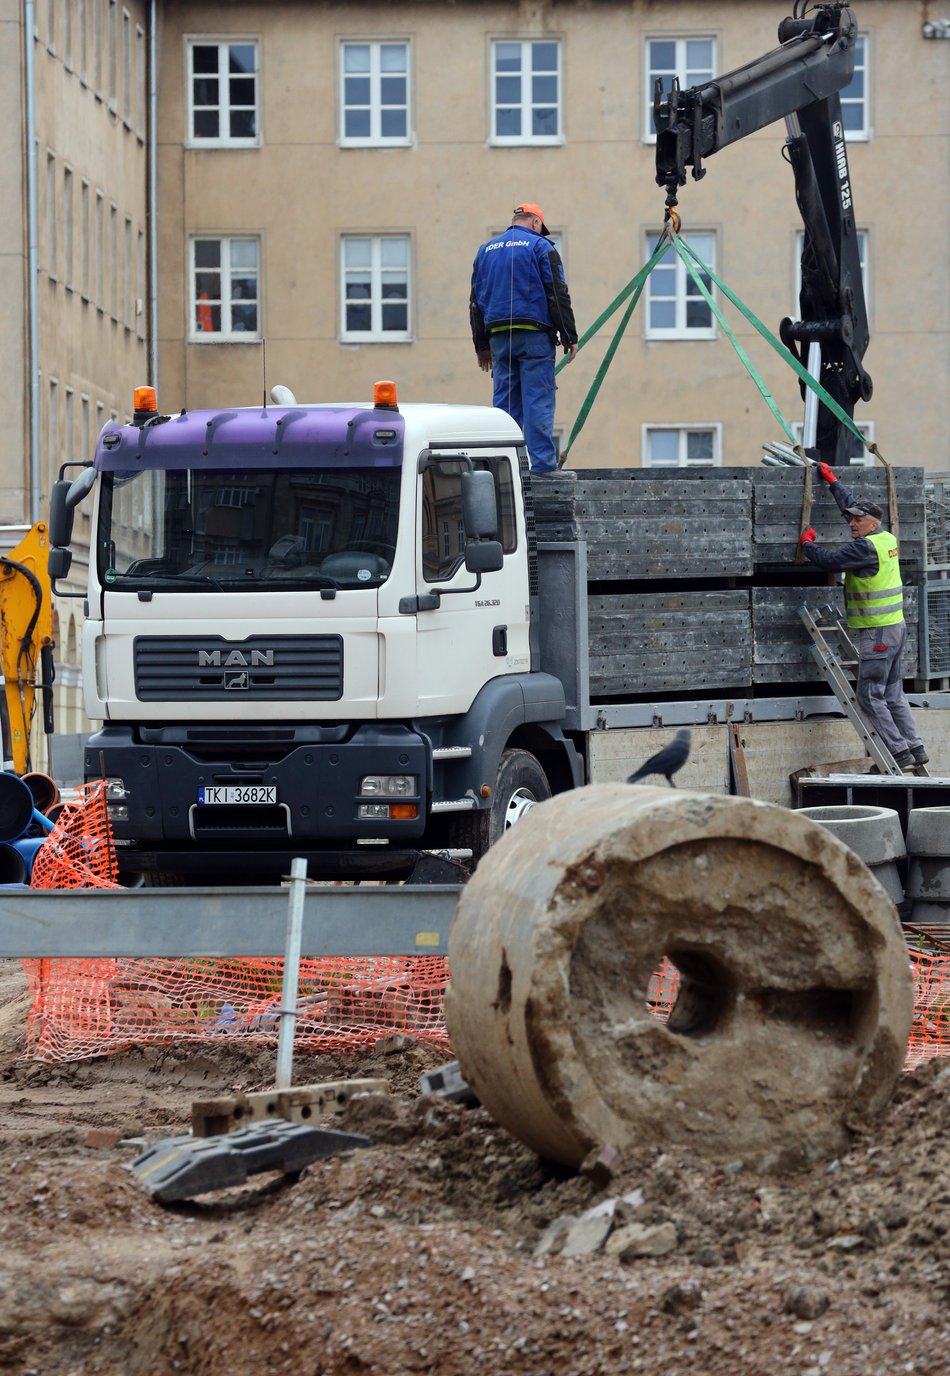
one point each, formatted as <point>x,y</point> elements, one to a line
<point>643,524</point>
<point>669,641</point>
<point>777,509</point>
<point>781,647</point>
<point>693,583</point>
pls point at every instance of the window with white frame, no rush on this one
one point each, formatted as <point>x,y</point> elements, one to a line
<point>114,261</point>
<point>83,41</point>
<point>127,56</point>
<point>223,94</point>
<point>526,92</point>
<point>51,236</point>
<point>855,102</point>
<point>112,38</point>
<point>225,278</point>
<point>676,308</point>
<point>858,456</point>
<point>692,60</point>
<point>140,91</point>
<point>68,269</point>
<point>99,236</point>
<point>374,94</point>
<point>862,240</point>
<point>681,446</point>
<point>84,238</point>
<point>375,287</point>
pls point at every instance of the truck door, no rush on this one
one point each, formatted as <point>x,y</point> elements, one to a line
<point>476,633</point>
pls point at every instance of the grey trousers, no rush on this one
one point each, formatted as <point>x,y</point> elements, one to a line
<point>879,688</point>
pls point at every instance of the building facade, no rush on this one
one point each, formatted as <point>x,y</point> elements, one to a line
<point>324,172</point>
<point>327,171</point>
<point>73,187</point>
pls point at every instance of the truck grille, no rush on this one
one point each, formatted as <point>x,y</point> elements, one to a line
<point>284,668</point>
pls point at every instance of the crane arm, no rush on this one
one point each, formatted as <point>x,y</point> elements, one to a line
<point>800,82</point>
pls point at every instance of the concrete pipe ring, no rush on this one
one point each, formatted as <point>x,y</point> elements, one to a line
<point>873,833</point>
<point>928,878</point>
<point>928,831</point>
<point>931,914</point>
<point>795,995</point>
<point>888,876</point>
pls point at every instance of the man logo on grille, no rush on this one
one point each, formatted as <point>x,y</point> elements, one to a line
<point>237,681</point>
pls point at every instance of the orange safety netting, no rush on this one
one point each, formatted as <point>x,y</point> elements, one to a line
<point>930,1030</point>
<point>930,1033</point>
<point>78,853</point>
<point>84,1008</point>
<point>87,1008</point>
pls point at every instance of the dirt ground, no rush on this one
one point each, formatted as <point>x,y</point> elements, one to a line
<point>420,1254</point>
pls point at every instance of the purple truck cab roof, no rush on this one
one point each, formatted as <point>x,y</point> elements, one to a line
<point>257,437</point>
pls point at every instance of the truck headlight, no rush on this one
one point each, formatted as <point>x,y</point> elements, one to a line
<point>116,791</point>
<point>389,785</point>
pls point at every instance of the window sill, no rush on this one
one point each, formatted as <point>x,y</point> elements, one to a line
<point>373,143</point>
<point>222,145</point>
<point>375,339</point>
<point>205,339</point>
<point>545,141</point>
<point>679,336</point>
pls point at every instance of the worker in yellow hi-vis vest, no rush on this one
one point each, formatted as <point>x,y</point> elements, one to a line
<point>874,602</point>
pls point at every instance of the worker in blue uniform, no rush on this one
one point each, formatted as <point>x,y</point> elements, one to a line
<point>520,309</point>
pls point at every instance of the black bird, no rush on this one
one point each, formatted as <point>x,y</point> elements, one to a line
<point>668,760</point>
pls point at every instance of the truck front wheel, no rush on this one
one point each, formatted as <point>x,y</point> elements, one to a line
<point>519,786</point>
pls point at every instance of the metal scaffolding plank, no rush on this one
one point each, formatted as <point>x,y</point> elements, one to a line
<point>393,920</point>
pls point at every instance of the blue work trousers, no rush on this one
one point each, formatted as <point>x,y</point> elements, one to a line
<point>523,378</point>
<point>879,688</point>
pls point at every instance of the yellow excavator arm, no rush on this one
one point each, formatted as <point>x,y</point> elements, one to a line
<point>26,641</point>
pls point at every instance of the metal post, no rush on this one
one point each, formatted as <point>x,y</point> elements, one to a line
<point>288,996</point>
<point>810,425</point>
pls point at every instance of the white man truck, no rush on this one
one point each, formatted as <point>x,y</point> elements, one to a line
<point>333,631</point>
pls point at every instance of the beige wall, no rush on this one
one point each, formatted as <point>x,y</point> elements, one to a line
<point>14,411</point>
<point>92,345</point>
<point>299,191</point>
<point>89,343</point>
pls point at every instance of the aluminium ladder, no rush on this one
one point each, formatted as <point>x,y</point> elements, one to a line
<point>834,666</point>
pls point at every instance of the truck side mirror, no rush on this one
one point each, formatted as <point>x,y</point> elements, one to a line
<point>59,562</point>
<point>484,556</point>
<point>479,506</point>
<point>60,514</point>
<point>64,498</point>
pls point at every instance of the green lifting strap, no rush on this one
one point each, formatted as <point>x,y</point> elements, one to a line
<point>683,249</point>
<point>686,254</point>
<point>633,289</point>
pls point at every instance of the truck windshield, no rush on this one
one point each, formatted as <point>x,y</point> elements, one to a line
<point>228,530</point>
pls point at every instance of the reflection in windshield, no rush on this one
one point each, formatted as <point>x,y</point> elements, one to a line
<point>228,530</point>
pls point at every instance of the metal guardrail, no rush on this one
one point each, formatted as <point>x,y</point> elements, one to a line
<point>397,920</point>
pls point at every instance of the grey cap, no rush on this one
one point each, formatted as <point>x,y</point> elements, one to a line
<point>864,509</point>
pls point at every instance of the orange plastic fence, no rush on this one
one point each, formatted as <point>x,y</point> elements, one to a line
<point>83,1008</point>
<point>78,853</point>
<point>929,1033</point>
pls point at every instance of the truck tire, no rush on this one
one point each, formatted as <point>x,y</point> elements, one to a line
<point>163,879</point>
<point>520,784</point>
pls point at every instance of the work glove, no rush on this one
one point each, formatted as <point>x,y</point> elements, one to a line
<point>484,360</point>
<point>807,536</point>
<point>826,473</point>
